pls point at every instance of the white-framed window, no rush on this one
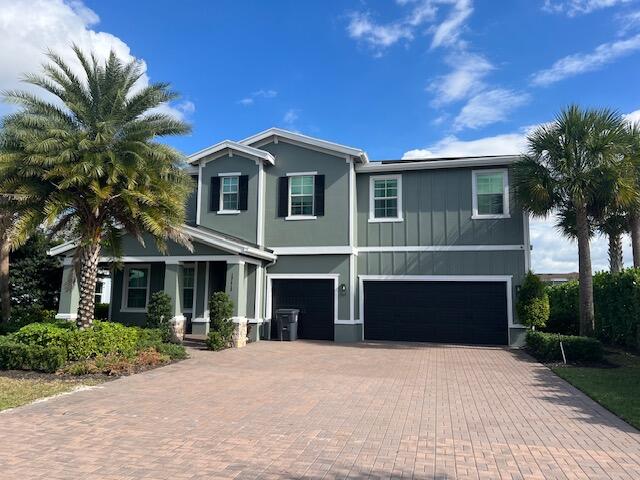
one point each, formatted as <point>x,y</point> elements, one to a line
<point>135,294</point>
<point>385,198</point>
<point>188,286</point>
<point>490,192</point>
<point>229,193</point>
<point>301,193</point>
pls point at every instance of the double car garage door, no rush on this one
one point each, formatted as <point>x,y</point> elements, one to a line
<point>410,311</point>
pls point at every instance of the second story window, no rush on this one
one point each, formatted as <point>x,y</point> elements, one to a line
<point>229,194</point>
<point>385,201</point>
<point>301,195</point>
<point>490,194</point>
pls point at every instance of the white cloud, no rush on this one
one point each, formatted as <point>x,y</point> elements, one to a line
<point>451,146</point>
<point>291,116</point>
<point>28,29</point>
<point>247,101</point>
<point>446,31</point>
<point>465,78</point>
<point>633,117</point>
<point>489,107</point>
<point>578,63</point>
<point>262,93</point>
<point>573,8</point>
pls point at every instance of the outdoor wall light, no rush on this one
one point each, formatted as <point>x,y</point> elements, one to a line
<point>343,289</point>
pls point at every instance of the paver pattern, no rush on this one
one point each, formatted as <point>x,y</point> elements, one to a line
<point>321,410</point>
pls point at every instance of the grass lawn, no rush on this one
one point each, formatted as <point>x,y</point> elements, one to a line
<point>615,386</point>
<point>19,388</point>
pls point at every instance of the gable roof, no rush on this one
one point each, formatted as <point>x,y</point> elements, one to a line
<point>232,146</point>
<point>359,154</point>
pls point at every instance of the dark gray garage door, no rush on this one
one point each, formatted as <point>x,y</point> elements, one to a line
<point>447,312</point>
<point>314,299</point>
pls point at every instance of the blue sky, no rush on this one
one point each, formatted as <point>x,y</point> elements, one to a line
<point>398,78</point>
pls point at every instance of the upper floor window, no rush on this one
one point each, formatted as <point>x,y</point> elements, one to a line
<point>490,194</point>
<point>136,287</point>
<point>301,196</point>
<point>229,192</point>
<point>385,198</point>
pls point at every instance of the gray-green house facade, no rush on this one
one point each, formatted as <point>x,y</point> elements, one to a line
<point>426,250</point>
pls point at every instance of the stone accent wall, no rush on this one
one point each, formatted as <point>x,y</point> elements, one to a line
<point>178,325</point>
<point>240,333</point>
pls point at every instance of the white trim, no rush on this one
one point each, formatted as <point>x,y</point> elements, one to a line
<point>306,140</point>
<point>182,258</point>
<point>205,310</point>
<point>300,217</point>
<point>67,316</point>
<point>527,241</point>
<point>260,220</point>
<point>199,199</point>
<point>221,210</point>
<point>399,215</point>
<point>508,279</point>
<point>226,244</point>
<point>200,320</point>
<point>505,194</point>
<point>62,248</point>
<point>302,276</point>
<point>352,287</point>
<point>352,203</point>
<point>356,321</point>
<point>443,248</point>
<point>228,212</point>
<point>125,287</point>
<point>330,250</point>
<point>435,163</point>
<point>230,174</point>
<point>222,147</point>
<point>300,174</point>
<point>258,296</point>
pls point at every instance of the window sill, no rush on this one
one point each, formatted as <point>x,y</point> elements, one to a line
<point>300,217</point>
<point>386,220</point>
<point>228,212</point>
<point>133,310</point>
<point>489,217</point>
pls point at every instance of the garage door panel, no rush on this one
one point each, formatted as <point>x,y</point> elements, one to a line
<point>315,300</point>
<point>451,312</point>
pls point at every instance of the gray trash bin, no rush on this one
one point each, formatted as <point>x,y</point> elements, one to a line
<point>287,324</point>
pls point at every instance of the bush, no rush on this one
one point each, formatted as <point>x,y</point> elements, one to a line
<point>564,309</point>
<point>101,311</point>
<point>221,326</point>
<point>533,302</point>
<point>159,314</point>
<point>43,335</point>
<point>617,307</point>
<point>21,316</point>
<point>115,338</point>
<point>172,350</point>
<point>114,364</point>
<point>546,347</point>
<point>20,356</point>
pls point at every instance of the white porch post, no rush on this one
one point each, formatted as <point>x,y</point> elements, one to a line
<point>236,288</point>
<point>173,288</point>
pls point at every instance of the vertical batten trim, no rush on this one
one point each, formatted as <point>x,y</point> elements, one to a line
<point>527,241</point>
<point>199,199</point>
<point>261,213</point>
<point>205,311</point>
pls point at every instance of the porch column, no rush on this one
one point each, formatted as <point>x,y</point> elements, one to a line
<point>236,288</point>
<point>173,288</point>
<point>69,294</point>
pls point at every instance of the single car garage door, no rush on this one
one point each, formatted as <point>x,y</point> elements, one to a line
<point>314,299</point>
<point>447,312</point>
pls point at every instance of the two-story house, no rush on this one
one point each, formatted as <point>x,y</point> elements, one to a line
<point>408,250</point>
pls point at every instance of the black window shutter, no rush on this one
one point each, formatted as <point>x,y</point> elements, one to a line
<point>318,191</point>
<point>243,192</point>
<point>214,199</point>
<point>283,196</point>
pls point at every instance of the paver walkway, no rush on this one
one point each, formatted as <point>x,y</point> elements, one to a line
<point>323,410</point>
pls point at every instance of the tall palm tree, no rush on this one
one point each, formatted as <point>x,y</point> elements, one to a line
<point>575,164</point>
<point>613,224</point>
<point>633,152</point>
<point>94,159</point>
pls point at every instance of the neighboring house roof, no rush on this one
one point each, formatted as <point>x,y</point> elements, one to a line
<point>433,163</point>
<point>202,235</point>
<point>228,145</point>
<point>557,277</point>
<point>358,153</point>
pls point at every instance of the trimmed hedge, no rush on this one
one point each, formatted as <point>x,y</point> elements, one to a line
<point>19,356</point>
<point>564,307</point>
<point>546,347</point>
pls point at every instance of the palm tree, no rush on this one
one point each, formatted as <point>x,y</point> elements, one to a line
<point>633,145</point>
<point>93,158</point>
<point>613,225</point>
<point>575,164</point>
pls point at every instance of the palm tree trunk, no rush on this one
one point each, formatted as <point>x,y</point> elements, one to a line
<point>634,226</point>
<point>5,293</point>
<point>615,253</point>
<point>89,258</point>
<point>587,321</point>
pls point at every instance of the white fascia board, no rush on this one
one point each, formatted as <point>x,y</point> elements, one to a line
<point>233,146</point>
<point>330,250</point>
<point>227,244</point>
<point>361,155</point>
<point>436,164</point>
<point>62,248</point>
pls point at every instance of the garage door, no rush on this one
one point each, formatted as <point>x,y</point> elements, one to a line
<point>448,312</point>
<point>314,299</point>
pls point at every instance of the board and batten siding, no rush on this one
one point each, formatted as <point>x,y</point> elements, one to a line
<point>437,209</point>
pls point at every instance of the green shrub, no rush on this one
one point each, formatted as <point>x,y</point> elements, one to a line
<point>221,326</point>
<point>19,356</point>
<point>159,314</point>
<point>150,338</point>
<point>564,309</point>
<point>101,311</point>
<point>24,315</point>
<point>546,347</point>
<point>115,338</point>
<point>533,302</point>
<point>44,335</point>
<point>172,350</point>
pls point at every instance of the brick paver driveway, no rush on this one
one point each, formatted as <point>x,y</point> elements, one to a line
<point>321,410</point>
